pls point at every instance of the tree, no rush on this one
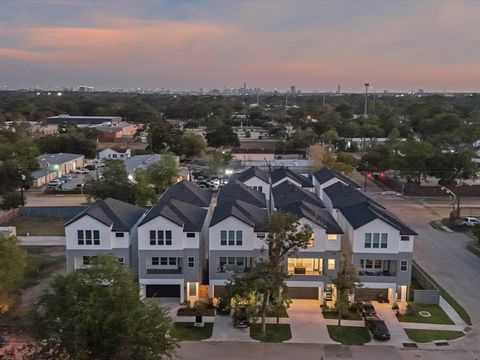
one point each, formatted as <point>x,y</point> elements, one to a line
<point>190,145</point>
<point>345,283</point>
<point>285,235</point>
<point>75,143</point>
<point>476,231</point>
<point>162,173</point>
<point>144,193</point>
<point>13,262</point>
<point>11,200</point>
<point>222,136</point>
<point>96,313</point>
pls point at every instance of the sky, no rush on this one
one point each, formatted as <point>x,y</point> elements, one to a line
<point>314,45</point>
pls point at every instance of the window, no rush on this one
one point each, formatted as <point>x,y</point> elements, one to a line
<point>114,156</point>
<point>261,235</point>
<point>155,261</point>
<point>239,238</point>
<point>332,236</point>
<point>190,235</point>
<point>331,264</point>
<point>370,264</point>
<point>376,240</point>
<point>405,238</point>
<point>80,237</point>
<point>88,237</point>
<point>384,241</point>
<point>160,237</point>
<point>404,265</point>
<point>311,241</point>
<point>191,262</point>
<point>121,260</point>
<point>96,237</point>
<point>368,240</point>
<point>163,261</point>
<point>257,188</point>
<point>172,261</point>
<point>232,264</point>
<point>119,235</point>
<point>231,237</point>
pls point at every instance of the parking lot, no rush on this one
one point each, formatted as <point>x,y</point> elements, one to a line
<point>74,181</point>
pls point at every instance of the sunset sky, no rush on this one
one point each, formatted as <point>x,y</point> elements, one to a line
<point>315,45</point>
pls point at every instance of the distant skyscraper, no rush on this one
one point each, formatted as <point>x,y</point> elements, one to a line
<point>293,89</point>
<point>339,89</point>
<point>244,86</point>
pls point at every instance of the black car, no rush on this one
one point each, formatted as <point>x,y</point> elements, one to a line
<point>367,309</point>
<point>90,167</point>
<point>378,328</point>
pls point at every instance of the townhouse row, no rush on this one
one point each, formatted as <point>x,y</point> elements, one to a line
<point>190,243</point>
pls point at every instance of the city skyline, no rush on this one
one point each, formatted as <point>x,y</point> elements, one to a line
<point>399,46</point>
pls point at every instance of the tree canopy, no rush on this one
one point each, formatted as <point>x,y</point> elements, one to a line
<point>13,264</point>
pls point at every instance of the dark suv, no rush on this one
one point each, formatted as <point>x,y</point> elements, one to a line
<point>378,328</point>
<point>367,309</point>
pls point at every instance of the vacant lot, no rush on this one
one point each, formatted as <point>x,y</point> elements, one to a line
<point>38,226</point>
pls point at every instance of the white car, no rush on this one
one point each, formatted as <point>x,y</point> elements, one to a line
<point>82,171</point>
<point>467,221</point>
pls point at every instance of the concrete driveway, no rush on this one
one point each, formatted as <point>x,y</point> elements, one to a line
<point>223,330</point>
<point>307,323</point>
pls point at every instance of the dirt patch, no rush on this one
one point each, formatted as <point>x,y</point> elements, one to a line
<point>38,226</point>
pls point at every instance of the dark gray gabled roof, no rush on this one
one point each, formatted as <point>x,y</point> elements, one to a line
<point>366,212</point>
<point>250,173</point>
<point>288,193</point>
<point>281,173</point>
<point>325,174</point>
<point>239,191</point>
<point>188,192</point>
<point>120,215</point>
<point>342,195</point>
<point>256,217</point>
<point>315,214</point>
<point>190,217</point>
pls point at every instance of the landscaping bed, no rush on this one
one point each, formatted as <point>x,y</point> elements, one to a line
<point>437,315</point>
<point>280,313</point>
<point>425,336</point>
<point>275,333</point>
<point>38,226</point>
<point>349,335</point>
<point>189,332</point>
<point>349,315</point>
<point>199,309</point>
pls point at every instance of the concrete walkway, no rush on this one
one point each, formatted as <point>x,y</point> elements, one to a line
<point>223,330</point>
<point>307,323</point>
<point>450,311</point>
<point>424,326</point>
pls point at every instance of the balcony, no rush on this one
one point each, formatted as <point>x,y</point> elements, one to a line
<point>376,273</point>
<point>232,268</point>
<point>303,271</point>
<point>157,271</point>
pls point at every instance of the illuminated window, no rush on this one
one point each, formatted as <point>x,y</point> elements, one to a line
<point>331,264</point>
<point>332,236</point>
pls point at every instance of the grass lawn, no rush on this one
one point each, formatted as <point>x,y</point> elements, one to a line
<point>188,332</point>
<point>199,310</point>
<point>438,315</point>
<point>424,336</point>
<point>349,335</point>
<point>38,226</point>
<point>275,333</point>
<point>453,303</point>
<point>41,261</point>
<point>349,315</point>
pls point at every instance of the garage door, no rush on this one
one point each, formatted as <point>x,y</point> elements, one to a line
<point>303,292</point>
<point>163,291</point>
<point>218,290</point>
<point>367,294</point>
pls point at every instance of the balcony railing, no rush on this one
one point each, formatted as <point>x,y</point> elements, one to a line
<point>164,271</point>
<point>303,271</point>
<point>376,273</point>
<point>231,268</point>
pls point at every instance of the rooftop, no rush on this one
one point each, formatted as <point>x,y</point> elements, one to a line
<point>188,192</point>
<point>250,173</point>
<point>325,174</point>
<point>282,172</point>
<point>58,158</point>
<point>342,195</point>
<point>239,191</point>
<point>255,216</point>
<point>121,216</point>
<point>288,193</point>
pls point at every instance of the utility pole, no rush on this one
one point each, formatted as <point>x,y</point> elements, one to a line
<point>323,101</point>
<point>365,172</point>
<point>269,166</point>
<point>366,99</point>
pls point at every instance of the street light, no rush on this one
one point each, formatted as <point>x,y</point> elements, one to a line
<point>366,99</point>
<point>455,199</point>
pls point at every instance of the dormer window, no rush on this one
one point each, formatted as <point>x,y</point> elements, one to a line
<point>311,241</point>
<point>190,235</point>
<point>119,234</point>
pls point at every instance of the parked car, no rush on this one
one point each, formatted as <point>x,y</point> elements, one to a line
<point>90,167</point>
<point>65,178</point>
<point>467,221</point>
<point>80,186</point>
<point>240,317</point>
<point>378,328</point>
<point>82,171</point>
<point>223,307</point>
<point>54,183</point>
<point>367,309</point>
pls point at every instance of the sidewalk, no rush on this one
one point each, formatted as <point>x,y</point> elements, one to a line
<point>450,311</point>
<point>223,330</point>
